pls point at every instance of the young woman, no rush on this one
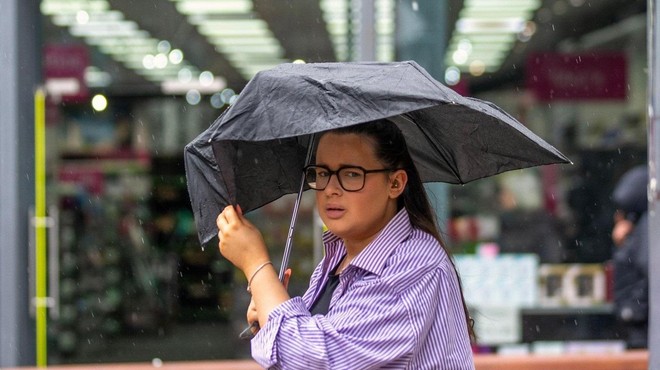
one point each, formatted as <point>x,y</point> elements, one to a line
<point>386,294</point>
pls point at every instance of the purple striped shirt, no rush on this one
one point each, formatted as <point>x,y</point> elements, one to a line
<point>397,306</point>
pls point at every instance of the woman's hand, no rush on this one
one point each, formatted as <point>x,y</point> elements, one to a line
<point>242,244</point>
<point>240,241</point>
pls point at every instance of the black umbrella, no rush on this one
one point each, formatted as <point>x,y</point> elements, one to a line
<point>255,151</point>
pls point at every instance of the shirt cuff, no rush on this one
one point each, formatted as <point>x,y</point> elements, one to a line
<point>264,348</point>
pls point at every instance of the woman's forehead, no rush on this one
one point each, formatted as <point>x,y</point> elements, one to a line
<point>345,148</point>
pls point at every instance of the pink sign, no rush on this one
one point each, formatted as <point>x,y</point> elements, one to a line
<point>89,178</point>
<point>585,76</point>
<point>64,70</point>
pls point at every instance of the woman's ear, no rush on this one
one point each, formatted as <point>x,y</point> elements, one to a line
<point>398,181</point>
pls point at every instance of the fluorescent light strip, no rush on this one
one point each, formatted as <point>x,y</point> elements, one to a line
<point>486,30</point>
<point>53,7</point>
<point>269,49</point>
<point>236,31</point>
<point>123,40</point>
<point>190,7</point>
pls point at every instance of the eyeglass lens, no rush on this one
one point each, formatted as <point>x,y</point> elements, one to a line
<point>350,178</point>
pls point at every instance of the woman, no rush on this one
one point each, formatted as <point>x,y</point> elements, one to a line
<point>386,294</point>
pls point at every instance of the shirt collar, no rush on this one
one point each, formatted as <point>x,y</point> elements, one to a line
<point>373,256</point>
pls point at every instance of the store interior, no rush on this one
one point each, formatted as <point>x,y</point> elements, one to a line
<point>533,246</point>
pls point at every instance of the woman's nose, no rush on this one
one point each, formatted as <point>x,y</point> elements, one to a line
<point>333,184</point>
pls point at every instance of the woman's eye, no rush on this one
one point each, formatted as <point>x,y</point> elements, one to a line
<point>352,173</point>
<point>322,173</point>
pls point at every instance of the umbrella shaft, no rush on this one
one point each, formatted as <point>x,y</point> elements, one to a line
<point>289,238</point>
<point>294,216</point>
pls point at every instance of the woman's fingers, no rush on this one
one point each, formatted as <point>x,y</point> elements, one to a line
<point>287,276</point>
<point>228,217</point>
<point>252,315</point>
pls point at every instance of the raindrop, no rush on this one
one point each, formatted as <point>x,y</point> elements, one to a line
<point>415,5</point>
<point>452,76</point>
<point>226,95</point>
<point>184,75</point>
<point>193,97</point>
<point>576,323</point>
<point>216,101</point>
<point>164,47</point>
<point>175,56</point>
<point>156,362</point>
<point>538,329</point>
<point>206,78</point>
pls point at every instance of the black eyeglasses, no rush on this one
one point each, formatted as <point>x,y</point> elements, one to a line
<point>351,178</point>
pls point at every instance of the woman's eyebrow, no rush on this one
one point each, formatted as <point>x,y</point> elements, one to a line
<point>340,165</point>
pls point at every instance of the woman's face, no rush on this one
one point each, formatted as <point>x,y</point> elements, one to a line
<point>356,217</point>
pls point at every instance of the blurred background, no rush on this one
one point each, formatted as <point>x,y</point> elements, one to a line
<point>126,84</point>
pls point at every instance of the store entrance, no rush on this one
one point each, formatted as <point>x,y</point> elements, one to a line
<point>134,284</point>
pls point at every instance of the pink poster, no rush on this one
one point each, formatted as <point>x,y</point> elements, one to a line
<point>588,76</point>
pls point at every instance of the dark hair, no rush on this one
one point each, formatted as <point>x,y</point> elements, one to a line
<point>391,149</point>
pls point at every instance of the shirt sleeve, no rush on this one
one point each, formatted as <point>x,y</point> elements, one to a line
<point>370,326</point>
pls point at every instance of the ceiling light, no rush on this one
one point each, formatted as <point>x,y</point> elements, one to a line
<point>460,56</point>
<point>95,77</point>
<point>99,103</point>
<point>82,17</point>
<point>53,7</point>
<point>236,31</point>
<point>176,87</point>
<point>473,25</point>
<point>189,7</point>
<point>114,35</point>
<point>491,28</point>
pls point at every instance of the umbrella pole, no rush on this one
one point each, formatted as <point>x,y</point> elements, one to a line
<point>252,330</point>
<point>294,216</point>
<point>292,225</point>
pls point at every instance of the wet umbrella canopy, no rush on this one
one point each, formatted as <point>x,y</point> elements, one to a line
<point>255,151</point>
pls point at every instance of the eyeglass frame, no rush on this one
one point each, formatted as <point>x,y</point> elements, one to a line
<point>336,173</point>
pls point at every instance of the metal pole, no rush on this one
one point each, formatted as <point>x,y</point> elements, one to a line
<point>420,36</point>
<point>21,70</point>
<point>654,188</point>
<point>367,30</point>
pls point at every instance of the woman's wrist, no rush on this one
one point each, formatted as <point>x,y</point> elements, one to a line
<point>256,270</point>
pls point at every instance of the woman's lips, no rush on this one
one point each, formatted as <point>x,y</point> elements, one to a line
<point>334,212</point>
